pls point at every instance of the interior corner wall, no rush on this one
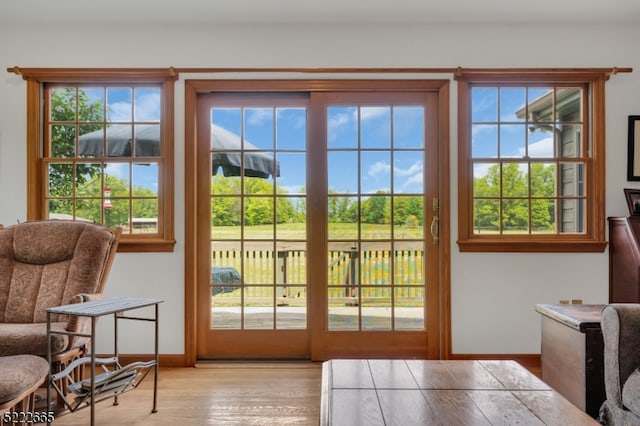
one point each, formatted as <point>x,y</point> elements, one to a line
<point>493,295</point>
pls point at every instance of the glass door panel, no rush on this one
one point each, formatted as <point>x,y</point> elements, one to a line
<point>375,217</point>
<point>258,228</point>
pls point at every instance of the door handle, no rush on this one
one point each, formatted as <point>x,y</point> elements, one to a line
<point>435,229</point>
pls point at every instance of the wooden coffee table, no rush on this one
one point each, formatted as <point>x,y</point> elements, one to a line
<point>417,392</point>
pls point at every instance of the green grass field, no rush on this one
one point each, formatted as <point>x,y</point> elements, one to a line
<point>337,231</point>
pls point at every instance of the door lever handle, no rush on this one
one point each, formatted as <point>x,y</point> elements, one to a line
<point>435,229</point>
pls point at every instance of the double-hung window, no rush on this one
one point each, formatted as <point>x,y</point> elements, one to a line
<point>100,149</point>
<point>531,161</point>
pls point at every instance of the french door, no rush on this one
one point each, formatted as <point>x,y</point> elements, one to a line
<point>317,223</point>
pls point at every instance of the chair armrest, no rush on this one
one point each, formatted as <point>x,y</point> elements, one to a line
<point>620,324</point>
<point>78,324</point>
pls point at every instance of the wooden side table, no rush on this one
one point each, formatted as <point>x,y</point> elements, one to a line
<point>572,353</point>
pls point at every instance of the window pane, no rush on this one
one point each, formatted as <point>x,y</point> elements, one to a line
<point>512,101</point>
<point>543,216</point>
<point>572,214</point>
<point>64,105</point>
<point>376,308</point>
<point>119,104</point>
<point>484,141</point>
<point>408,218</point>
<point>258,218</point>
<point>570,143</point>
<point>486,179</point>
<point>409,308</point>
<point>147,104</point>
<point>512,140</point>
<point>343,217</point>
<point>91,142</point>
<point>376,217</point>
<point>568,104</point>
<point>376,171</point>
<point>291,129</point>
<point>375,263</point>
<point>486,216</point>
<point>147,140</point>
<point>515,216</point>
<point>408,127</point>
<point>408,263</point>
<point>59,183</point>
<point>375,127</point>
<point>293,173</point>
<point>572,176</point>
<point>258,308</point>
<point>484,104</point>
<point>342,127</point>
<point>259,128</point>
<point>343,309</point>
<point>63,138</point>
<point>291,218</point>
<point>515,180</point>
<point>543,180</point>
<point>342,180</point>
<point>227,118</point>
<point>259,263</point>
<point>119,137</point>
<point>541,140</point>
<point>226,217</point>
<point>408,172</point>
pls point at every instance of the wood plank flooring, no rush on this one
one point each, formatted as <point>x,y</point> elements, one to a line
<point>219,393</point>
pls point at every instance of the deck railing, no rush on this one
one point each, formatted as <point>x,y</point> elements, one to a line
<point>346,269</point>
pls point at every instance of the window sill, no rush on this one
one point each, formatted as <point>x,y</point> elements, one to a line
<point>480,245</point>
<point>142,245</point>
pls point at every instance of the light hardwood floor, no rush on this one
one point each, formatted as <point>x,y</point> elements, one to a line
<point>218,393</point>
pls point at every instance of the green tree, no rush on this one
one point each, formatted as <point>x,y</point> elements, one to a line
<point>376,209</point>
<point>408,210</point>
<point>145,204</point>
<point>258,203</point>
<point>514,186</point>
<point>65,103</point>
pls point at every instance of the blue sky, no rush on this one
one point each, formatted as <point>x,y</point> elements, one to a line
<point>284,130</point>
<point>491,106</point>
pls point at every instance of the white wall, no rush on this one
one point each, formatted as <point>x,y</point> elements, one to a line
<point>493,295</point>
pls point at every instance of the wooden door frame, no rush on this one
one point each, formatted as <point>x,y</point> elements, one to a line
<point>439,346</point>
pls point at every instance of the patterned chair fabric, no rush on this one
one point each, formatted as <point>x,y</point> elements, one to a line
<point>620,325</point>
<point>20,375</point>
<point>45,264</point>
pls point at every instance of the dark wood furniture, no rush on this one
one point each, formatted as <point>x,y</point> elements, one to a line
<point>418,392</point>
<point>624,259</point>
<point>572,354</point>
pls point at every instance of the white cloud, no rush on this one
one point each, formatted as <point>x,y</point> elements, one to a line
<point>338,120</point>
<point>148,107</point>
<point>120,111</point>
<point>368,113</point>
<point>411,170</point>
<point>542,148</point>
<point>379,167</point>
<point>258,116</point>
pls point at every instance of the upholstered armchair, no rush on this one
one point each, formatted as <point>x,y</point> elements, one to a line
<point>45,264</point>
<point>621,333</point>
